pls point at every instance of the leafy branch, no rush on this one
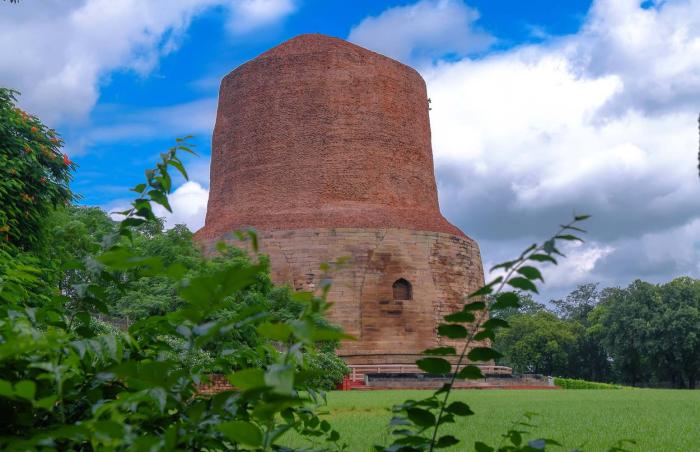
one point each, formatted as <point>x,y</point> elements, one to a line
<point>416,424</point>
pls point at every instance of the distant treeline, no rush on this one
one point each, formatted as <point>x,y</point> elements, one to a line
<point>642,335</point>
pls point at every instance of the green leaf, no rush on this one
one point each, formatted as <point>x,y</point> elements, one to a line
<point>132,221</point>
<point>421,417</point>
<point>46,403</point>
<point>241,432</point>
<point>523,284</point>
<point>452,331</point>
<point>485,334</point>
<point>470,373</point>
<point>515,437</point>
<point>506,300</point>
<point>281,378</point>
<point>487,289</point>
<point>436,366</point>
<point>178,165</point>
<point>6,388</point>
<point>573,228</point>
<point>325,426</point>
<point>530,273</point>
<point>474,306</point>
<point>543,258</point>
<point>248,378</point>
<point>549,248</point>
<point>160,198</point>
<point>328,334</point>
<point>440,351</point>
<point>481,447</point>
<point>459,408</point>
<point>495,323</point>
<point>446,441</point>
<point>25,389</point>
<point>275,331</point>
<point>483,354</point>
<point>462,316</point>
<point>581,217</point>
<point>569,237</point>
<point>139,188</point>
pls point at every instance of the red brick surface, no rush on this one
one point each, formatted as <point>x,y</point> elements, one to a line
<point>324,148</point>
<point>318,132</point>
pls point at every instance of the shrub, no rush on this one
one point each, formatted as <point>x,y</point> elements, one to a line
<point>570,383</point>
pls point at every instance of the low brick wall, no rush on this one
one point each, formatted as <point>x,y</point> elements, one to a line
<point>217,383</point>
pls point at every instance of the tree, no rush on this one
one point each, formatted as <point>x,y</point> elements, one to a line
<point>34,176</point>
<point>527,306</point>
<point>537,343</point>
<point>578,304</point>
<point>675,347</point>
<point>627,318</point>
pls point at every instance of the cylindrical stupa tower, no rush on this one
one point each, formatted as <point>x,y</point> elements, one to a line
<point>324,148</point>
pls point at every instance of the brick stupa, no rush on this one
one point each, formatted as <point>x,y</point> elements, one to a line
<point>324,148</point>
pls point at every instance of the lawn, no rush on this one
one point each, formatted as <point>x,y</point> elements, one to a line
<point>592,420</point>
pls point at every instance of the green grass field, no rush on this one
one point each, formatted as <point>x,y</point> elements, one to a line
<point>659,420</point>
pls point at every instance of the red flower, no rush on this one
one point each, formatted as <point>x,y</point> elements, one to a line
<point>34,129</point>
<point>66,160</point>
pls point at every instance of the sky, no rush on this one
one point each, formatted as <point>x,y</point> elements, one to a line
<point>540,109</point>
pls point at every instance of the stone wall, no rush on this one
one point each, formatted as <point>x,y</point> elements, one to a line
<point>441,268</point>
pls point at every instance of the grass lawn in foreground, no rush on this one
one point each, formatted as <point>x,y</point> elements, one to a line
<point>658,420</point>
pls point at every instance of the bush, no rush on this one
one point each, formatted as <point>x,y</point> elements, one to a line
<point>570,383</point>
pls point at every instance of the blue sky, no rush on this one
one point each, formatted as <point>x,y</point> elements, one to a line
<point>540,108</point>
<point>207,52</point>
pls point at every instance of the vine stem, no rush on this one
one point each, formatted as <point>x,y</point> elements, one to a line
<point>475,327</point>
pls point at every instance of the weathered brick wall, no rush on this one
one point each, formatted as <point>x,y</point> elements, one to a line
<point>318,132</point>
<point>441,268</point>
<point>324,147</point>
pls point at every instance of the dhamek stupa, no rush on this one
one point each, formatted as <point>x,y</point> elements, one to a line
<point>323,147</point>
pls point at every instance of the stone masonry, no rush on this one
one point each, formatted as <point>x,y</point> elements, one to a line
<point>324,148</point>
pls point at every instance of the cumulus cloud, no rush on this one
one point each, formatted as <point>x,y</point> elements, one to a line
<point>422,31</point>
<point>58,54</point>
<point>602,121</point>
<point>251,14</point>
<point>188,202</point>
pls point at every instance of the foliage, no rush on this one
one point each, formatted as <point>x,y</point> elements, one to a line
<point>652,332</point>
<point>641,335</point>
<point>34,175</point>
<point>570,383</point>
<point>68,383</point>
<point>539,343</point>
<point>416,423</point>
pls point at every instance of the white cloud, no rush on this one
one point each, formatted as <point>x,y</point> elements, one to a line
<point>58,54</point>
<point>603,121</point>
<point>189,205</point>
<point>251,14</point>
<point>420,32</point>
<point>577,266</point>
